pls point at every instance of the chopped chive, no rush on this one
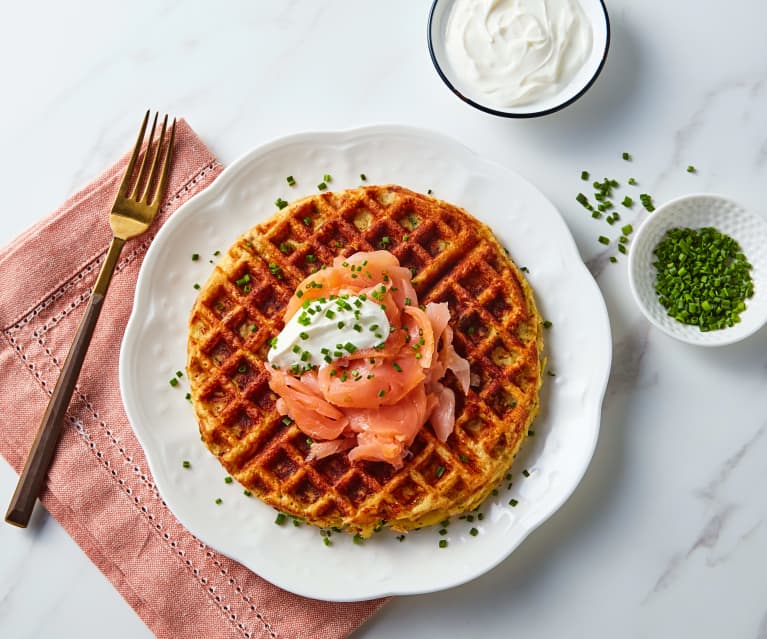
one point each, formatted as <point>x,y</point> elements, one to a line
<point>474,532</point>
<point>547,324</point>
<point>613,259</point>
<point>381,393</point>
<point>280,203</point>
<point>173,381</point>
<point>627,230</point>
<point>228,480</point>
<point>513,503</point>
<point>358,539</point>
<point>322,186</point>
<point>397,367</point>
<point>186,463</point>
<point>307,221</point>
<point>327,178</point>
<point>443,543</point>
<point>627,202</point>
<point>188,396</point>
<point>280,519</point>
<point>196,286</point>
<point>584,175</point>
<point>440,471</point>
<point>691,169</point>
<point>604,240</point>
<point>219,501</point>
<point>195,257</point>
<point>626,156</point>
<point>291,180</point>
<point>632,181</point>
<point>247,493</point>
<point>526,472</point>
<point>363,177</point>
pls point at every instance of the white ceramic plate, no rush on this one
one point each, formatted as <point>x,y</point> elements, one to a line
<point>154,347</point>
<point>697,211</point>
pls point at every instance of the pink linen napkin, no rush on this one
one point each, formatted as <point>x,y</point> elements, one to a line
<point>99,487</point>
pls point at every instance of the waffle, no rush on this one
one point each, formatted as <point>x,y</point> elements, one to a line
<point>455,259</point>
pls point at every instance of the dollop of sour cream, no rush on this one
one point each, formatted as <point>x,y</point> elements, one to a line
<point>515,52</point>
<point>328,329</point>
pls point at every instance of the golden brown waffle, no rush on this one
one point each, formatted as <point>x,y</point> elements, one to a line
<point>454,259</point>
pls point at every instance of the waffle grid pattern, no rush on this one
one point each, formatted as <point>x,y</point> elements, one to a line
<point>455,259</point>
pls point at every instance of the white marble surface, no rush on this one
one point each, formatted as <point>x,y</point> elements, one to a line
<point>665,537</point>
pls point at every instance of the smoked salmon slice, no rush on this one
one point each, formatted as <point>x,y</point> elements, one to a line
<point>374,401</point>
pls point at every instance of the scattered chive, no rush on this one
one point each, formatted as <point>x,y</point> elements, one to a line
<point>526,472</point>
<point>358,539</point>
<point>627,230</point>
<point>513,503</point>
<point>247,493</point>
<point>626,156</point>
<point>322,186</point>
<point>627,202</point>
<point>363,177</point>
<point>474,532</point>
<point>280,203</point>
<point>186,463</point>
<point>604,240</point>
<point>691,169</point>
<point>228,480</point>
<point>584,175</point>
<point>291,181</point>
<point>443,543</point>
<point>280,519</point>
<point>547,324</point>
<point>196,286</point>
<point>327,178</point>
<point>440,471</point>
<point>195,257</point>
<point>632,181</point>
<point>173,381</point>
<point>219,501</point>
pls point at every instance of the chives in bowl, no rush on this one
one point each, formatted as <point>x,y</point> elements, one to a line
<point>698,270</point>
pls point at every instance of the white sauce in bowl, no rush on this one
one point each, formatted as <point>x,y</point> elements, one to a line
<point>514,52</point>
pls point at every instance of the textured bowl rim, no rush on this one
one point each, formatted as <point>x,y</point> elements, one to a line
<point>511,114</point>
<point>658,217</point>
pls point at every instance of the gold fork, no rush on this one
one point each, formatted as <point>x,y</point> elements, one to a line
<point>136,205</point>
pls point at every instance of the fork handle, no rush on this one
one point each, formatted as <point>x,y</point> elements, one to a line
<point>40,455</point>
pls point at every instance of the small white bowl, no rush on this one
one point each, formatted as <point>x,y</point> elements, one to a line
<point>697,211</point>
<point>596,14</point>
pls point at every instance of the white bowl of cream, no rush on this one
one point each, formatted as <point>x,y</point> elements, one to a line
<point>518,58</point>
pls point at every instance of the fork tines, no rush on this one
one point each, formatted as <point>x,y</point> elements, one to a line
<point>149,182</point>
